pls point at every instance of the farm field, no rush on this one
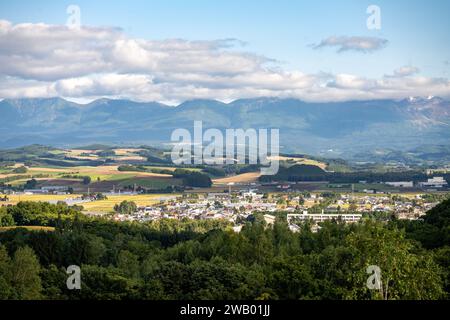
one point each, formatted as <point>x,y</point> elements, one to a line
<point>239,178</point>
<point>30,228</point>
<point>103,178</point>
<point>14,198</point>
<point>119,154</point>
<point>106,206</point>
<point>101,206</point>
<point>298,160</point>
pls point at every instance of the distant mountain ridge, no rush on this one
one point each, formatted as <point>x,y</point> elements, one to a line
<point>336,129</point>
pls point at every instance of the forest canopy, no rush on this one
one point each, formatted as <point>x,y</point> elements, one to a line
<point>193,259</point>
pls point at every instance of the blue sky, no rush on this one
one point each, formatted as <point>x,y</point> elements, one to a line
<point>286,31</point>
<point>418,31</point>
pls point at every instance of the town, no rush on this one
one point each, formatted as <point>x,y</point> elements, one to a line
<point>238,207</point>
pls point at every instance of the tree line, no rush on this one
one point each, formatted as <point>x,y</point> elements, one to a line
<point>314,173</point>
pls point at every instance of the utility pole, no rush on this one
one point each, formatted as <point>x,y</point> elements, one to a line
<point>229,190</point>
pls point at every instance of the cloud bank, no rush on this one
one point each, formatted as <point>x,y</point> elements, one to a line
<point>41,60</point>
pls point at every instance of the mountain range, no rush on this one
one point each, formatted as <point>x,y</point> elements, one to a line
<point>334,129</point>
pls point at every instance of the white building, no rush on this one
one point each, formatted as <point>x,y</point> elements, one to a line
<point>401,184</point>
<point>35,191</point>
<point>435,182</point>
<point>321,217</point>
<point>55,188</point>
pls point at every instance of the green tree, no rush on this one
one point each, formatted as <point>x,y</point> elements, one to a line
<point>54,283</point>
<point>30,184</point>
<point>100,283</point>
<point>6,219</point>
<point>25,279</point>
<point>86,180</point>
<point>405,274</point>
<point>21,169</point>
<point>126,207</point>
<point>301,200</point>
<point>292,279</point>
<point>128,263</point>
<point>6,290</point>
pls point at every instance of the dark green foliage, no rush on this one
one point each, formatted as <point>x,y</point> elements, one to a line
<point>169,259</point>
<point>193,178</point>
<point>126,207</point>
<point>30,184</point>
<point>439,216</point>
<point>28,213</point>
<point>128,167</point>
<point>6,219</point>
<point>106,153</point>
<point>21,169</point>
<point>214,172</point>
<point>19,275</point>
<point>434,230</point>
<point>25,153</point>
<point>314,173</point>
<point>86,180</point>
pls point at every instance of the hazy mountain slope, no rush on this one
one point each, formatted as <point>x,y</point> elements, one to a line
<point>340,128</point>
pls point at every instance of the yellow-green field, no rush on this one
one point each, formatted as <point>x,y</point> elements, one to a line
<point>108,205</point>
<point>295,160</point>
<point>13,199</point>
<point>103,206</point>
<point>31,228</point>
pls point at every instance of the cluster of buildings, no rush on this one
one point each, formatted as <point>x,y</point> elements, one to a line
<point>403,207</point>
<point>237,207</point>
<point>436,182</point>
<point>432,183</point>
<point>59,190</point>
<point>206,206</point>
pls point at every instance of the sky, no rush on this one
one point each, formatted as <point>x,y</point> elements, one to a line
<point>176,50</point>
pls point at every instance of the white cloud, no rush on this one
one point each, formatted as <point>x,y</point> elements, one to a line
<point>406,71</point>
<point>361,44</point>
<point>40,60</point>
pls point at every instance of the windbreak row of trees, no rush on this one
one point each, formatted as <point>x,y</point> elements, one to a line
<point>313,173</point>
<point>170,259</point>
